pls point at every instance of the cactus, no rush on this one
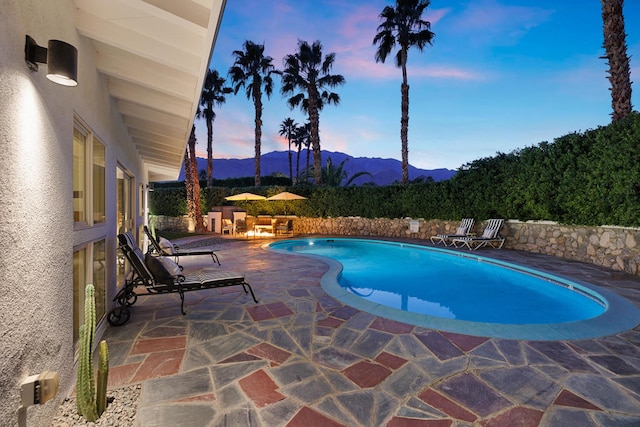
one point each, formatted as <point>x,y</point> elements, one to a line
<point>86,402</point>
<point>103,376</point>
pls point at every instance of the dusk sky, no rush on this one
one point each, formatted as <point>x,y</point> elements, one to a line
<point>500,75</point>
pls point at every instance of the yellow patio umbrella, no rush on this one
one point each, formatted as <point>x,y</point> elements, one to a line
<point>244,197</point>
<point>286,196</point>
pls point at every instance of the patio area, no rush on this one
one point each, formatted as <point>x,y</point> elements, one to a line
<point>301,358</point>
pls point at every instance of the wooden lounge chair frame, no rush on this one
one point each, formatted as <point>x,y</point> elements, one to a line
<point>177,253</point>
<point>446,239</point>
<point>142,276</point>
<point>490,237</point>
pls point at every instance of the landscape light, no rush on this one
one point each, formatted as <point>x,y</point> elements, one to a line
<point>61,59</point>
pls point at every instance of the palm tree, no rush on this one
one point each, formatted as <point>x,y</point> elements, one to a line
<point>300,139</point>
<point>307,73</point>
<point>213,94</point>
<point>334,175</point>
<point>404,26</point>
<point>192,182</point>
<point>288,128</point>
<point>188,180</point>
<point>616,48</point>
<point>253,70</point>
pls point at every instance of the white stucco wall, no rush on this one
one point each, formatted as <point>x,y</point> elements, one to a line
<point>36,213</point>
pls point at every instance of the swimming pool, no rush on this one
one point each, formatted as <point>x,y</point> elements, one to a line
<point>461,292</point>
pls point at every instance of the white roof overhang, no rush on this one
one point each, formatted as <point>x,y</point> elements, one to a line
<point>154,55</point>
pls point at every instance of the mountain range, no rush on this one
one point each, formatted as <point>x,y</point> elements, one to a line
<point>383,171</point>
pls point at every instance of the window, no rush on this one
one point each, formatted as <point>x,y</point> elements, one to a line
<point>89,188</point>
<point>79,175</point>
<point>89,209</point>
<point>79,282</point>
<point>89,266</point>
<point>99,182</point>
<point>125,192</point>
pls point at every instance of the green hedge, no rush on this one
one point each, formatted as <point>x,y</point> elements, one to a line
<point>168,201</point>
<point>589,178</point>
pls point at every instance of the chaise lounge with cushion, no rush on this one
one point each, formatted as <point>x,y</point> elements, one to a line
<point>160,275</point>
<point>464,230</point>
<point>164,247</point>
<point>490,237</point>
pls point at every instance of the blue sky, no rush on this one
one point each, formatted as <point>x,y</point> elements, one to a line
<point>501,75</point>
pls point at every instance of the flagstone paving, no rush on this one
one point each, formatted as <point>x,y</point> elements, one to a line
<point>301,358</point>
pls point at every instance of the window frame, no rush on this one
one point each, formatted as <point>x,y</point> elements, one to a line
<point>90,141</point>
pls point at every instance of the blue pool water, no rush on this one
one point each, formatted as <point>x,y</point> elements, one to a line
<point>449,285</point>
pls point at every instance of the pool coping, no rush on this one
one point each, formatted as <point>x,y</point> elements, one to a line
<point>620,315</point>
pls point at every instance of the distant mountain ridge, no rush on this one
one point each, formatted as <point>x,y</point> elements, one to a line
<point>383,171</point>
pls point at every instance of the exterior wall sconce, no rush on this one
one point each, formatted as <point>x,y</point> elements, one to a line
<point>61,59</point>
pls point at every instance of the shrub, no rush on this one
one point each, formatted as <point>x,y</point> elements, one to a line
<point>589,178</point>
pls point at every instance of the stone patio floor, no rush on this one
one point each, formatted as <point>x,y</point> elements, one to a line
<point>301,358</point>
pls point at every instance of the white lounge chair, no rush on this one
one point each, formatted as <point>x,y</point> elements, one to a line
<point>490,237</point>
<point>164,247</point>
<point>227,226</point>
<point>464,230</point>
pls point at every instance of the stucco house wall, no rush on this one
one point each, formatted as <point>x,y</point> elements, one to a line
<point>36,212</point>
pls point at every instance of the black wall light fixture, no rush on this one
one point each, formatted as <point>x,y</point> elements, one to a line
<point>61,59</point>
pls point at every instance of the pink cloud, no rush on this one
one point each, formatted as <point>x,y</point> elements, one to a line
<point>333,140</point>
<point>365,68</point>
<point>355,51</point>
<point>435,15</point>
<point>352,40</point>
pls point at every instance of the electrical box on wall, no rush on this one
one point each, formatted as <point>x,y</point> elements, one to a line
<point>38,389</point>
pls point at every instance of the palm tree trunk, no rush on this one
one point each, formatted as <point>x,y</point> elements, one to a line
<point>314,120</point>
<point>188,183</point>
<point>404,120</point>
<point>298,164</point>
<point>290,165</point>
<point>209,152</point>
<point>618,61</point>
<point>197,208</point>
<point>257,101</point>
<point>404,132</point>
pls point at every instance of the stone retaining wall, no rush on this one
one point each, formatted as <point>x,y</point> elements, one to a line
<point>182,224</point>
<point>613,247</point>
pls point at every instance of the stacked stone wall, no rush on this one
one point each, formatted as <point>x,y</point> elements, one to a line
<point>612,247</point>
<point>182,224</point>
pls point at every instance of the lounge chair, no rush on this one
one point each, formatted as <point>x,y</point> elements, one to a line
<point>160,275</point>
<point>284,227</point>
<point>490,237</point>
<point>164,247</point>
<point>464,230</point>
<point>240,227</point>
<point>227,226</point>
